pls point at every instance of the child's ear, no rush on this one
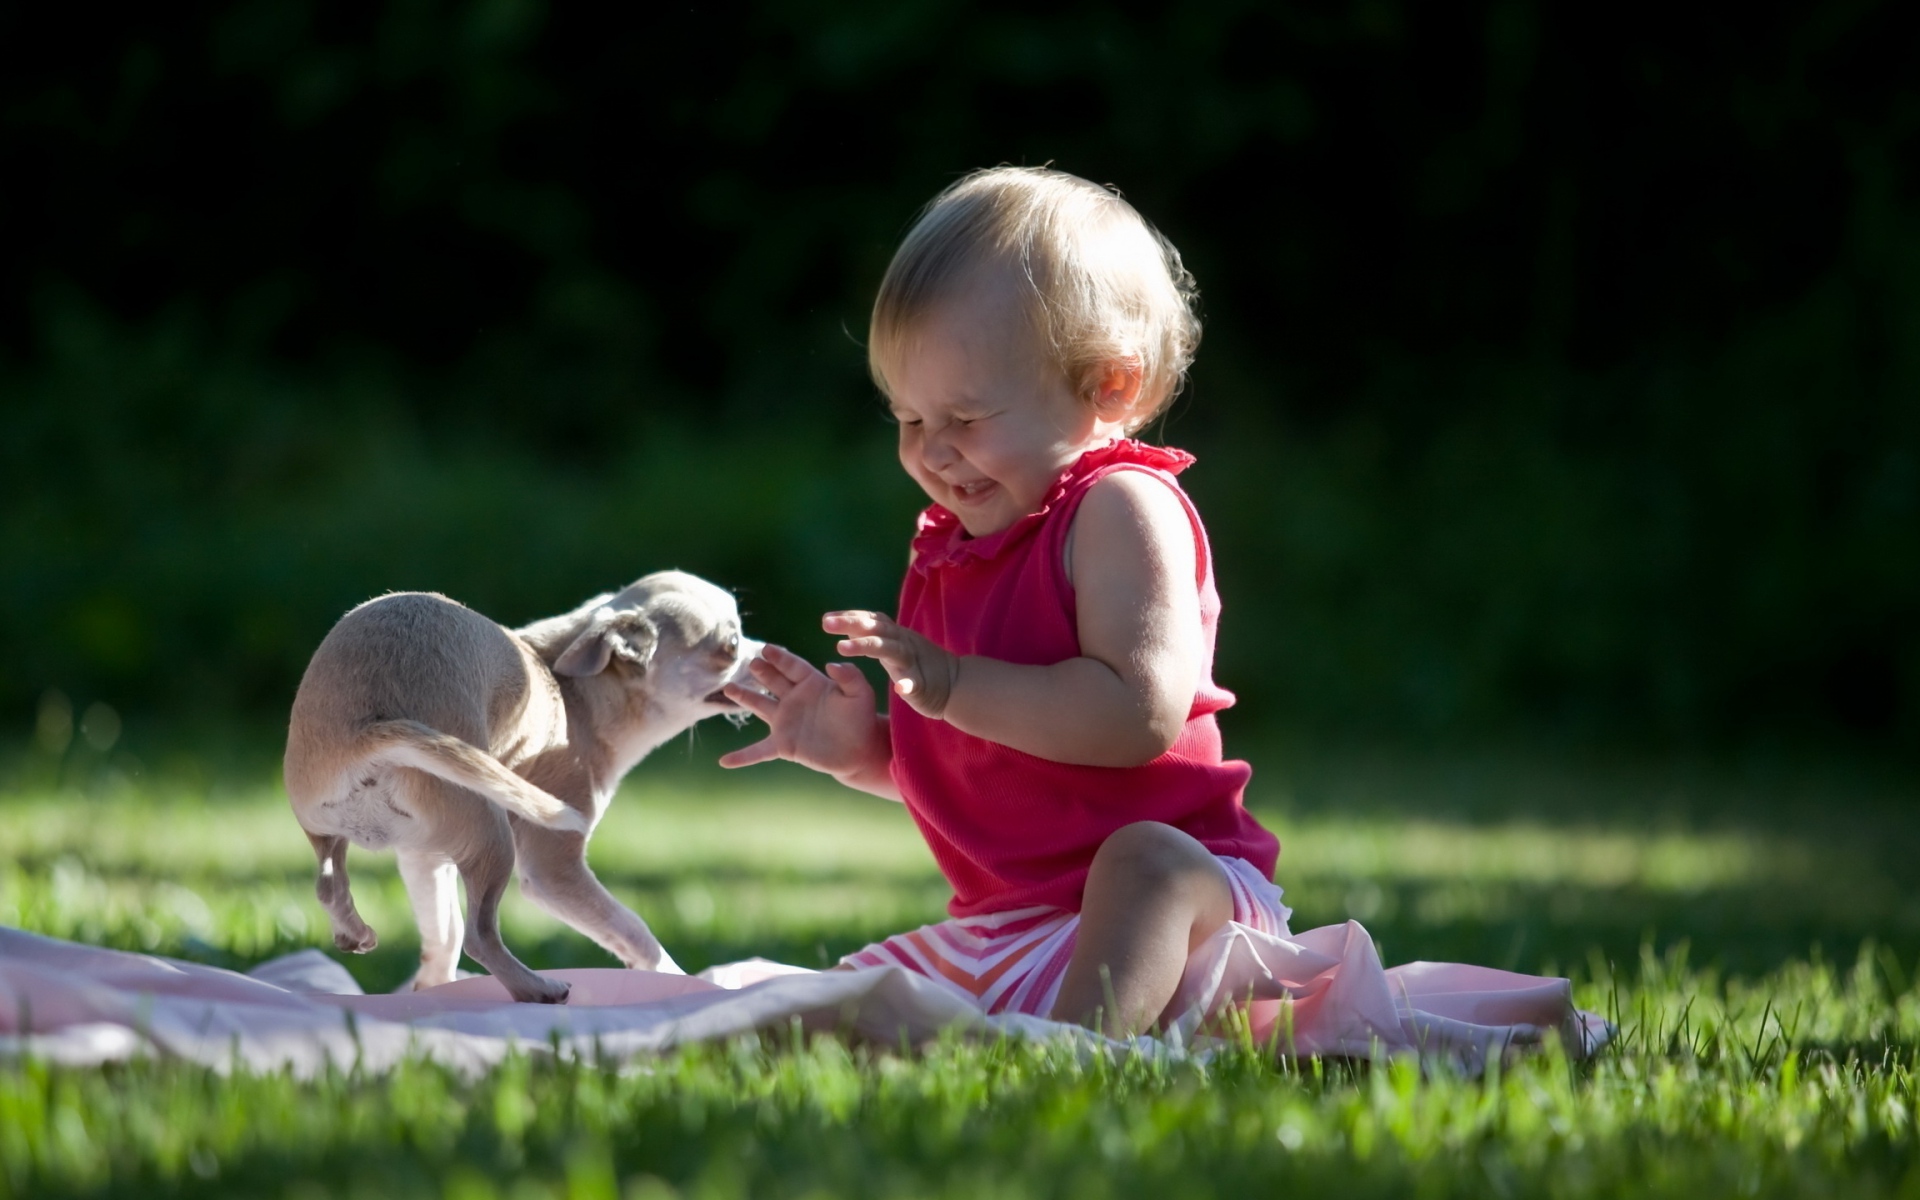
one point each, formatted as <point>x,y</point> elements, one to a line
<point>1115,387</point>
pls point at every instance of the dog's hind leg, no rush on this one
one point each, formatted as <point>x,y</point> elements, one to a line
<point>433,887</point>
<point>554,875</point>
<point>350,933</point>
<point>485,869</point>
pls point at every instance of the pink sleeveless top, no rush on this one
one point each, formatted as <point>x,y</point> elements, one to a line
<point>1010,830</point>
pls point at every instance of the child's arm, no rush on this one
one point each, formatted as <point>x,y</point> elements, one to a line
<point>1126,698</point>
<point>824,721</point>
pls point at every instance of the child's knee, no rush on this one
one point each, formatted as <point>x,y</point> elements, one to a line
<point>1157,857</point>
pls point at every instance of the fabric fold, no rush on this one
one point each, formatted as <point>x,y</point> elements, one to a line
<point>1319,992</point>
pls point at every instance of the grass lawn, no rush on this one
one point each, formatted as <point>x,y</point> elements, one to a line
<point>1755,930</point>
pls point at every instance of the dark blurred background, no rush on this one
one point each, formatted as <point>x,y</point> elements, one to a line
<point>1561,377</point>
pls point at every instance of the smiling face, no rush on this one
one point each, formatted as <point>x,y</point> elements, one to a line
<point>987,419</point>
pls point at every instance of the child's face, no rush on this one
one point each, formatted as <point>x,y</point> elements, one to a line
<point>987,421</point>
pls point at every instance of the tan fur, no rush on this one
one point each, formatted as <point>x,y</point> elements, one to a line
<point>467,747</point>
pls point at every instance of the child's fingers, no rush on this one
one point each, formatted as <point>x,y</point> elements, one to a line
<point>758,703</point>
<point>849,680</point>
<point>880,637</point>
<point>771,677</point>
<point>891,653</point>
<point>785,662</point>
<point>761,751</point>
<point>865,647</point>
<point>856,621</point>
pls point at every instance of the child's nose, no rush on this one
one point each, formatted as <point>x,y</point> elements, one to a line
<point>936,449</point>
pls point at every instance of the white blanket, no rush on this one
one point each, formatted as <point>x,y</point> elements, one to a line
<point>1322,992</point>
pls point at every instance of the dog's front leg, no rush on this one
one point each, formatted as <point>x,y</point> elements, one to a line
<point>554,875</point>
<point>433,888</point>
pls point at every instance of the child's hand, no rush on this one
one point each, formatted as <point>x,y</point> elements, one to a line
<point>824,721</point>
<point>923,674</point>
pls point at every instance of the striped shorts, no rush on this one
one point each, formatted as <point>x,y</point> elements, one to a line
<point>1014,961</point>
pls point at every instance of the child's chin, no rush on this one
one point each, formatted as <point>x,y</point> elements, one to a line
<point>983,524</point>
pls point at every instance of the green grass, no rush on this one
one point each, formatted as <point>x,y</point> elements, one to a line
<point>1755,931</point>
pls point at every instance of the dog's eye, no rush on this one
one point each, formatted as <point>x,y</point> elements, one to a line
<point>733,645</point>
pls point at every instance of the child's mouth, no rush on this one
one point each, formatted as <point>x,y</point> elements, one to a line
<point>972,493</point>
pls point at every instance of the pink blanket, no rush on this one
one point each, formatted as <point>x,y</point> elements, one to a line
<point>1319,992</point>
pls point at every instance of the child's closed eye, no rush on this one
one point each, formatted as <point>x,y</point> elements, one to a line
<point>956,422</point>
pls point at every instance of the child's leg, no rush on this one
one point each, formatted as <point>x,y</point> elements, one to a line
<point>1153,895</point>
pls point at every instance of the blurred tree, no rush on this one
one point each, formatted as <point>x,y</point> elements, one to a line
<point>1561,362</point>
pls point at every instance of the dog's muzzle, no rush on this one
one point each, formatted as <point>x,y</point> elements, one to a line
<point>741,677</point>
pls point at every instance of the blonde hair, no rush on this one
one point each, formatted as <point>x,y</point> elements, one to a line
<point>1103,284</point>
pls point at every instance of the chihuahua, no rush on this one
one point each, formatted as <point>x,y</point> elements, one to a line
<point>470,748</point>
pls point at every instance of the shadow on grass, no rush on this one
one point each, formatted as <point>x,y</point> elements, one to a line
<point>1734,931</point>
<point>375,868</point>
<point>1782,791</point>
<point>1860,823</point>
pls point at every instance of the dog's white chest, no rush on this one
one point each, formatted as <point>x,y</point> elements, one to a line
<point>370,810</point>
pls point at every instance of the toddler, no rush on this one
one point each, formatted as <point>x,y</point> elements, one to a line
<point>1052,730</point>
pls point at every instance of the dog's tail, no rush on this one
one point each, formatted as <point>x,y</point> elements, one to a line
<point>411,744</point>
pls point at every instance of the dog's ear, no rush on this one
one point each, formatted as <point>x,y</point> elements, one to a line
<point>611,633</point>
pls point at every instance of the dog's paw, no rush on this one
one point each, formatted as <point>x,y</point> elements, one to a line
<point>544,991</point>
<point>423,979</point>
<point>662,964</point>
<point>356,941</point>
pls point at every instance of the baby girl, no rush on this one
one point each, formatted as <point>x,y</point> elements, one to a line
<point>1053,734</point>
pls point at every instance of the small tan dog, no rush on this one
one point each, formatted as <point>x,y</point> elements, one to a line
<point>423,726</point>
